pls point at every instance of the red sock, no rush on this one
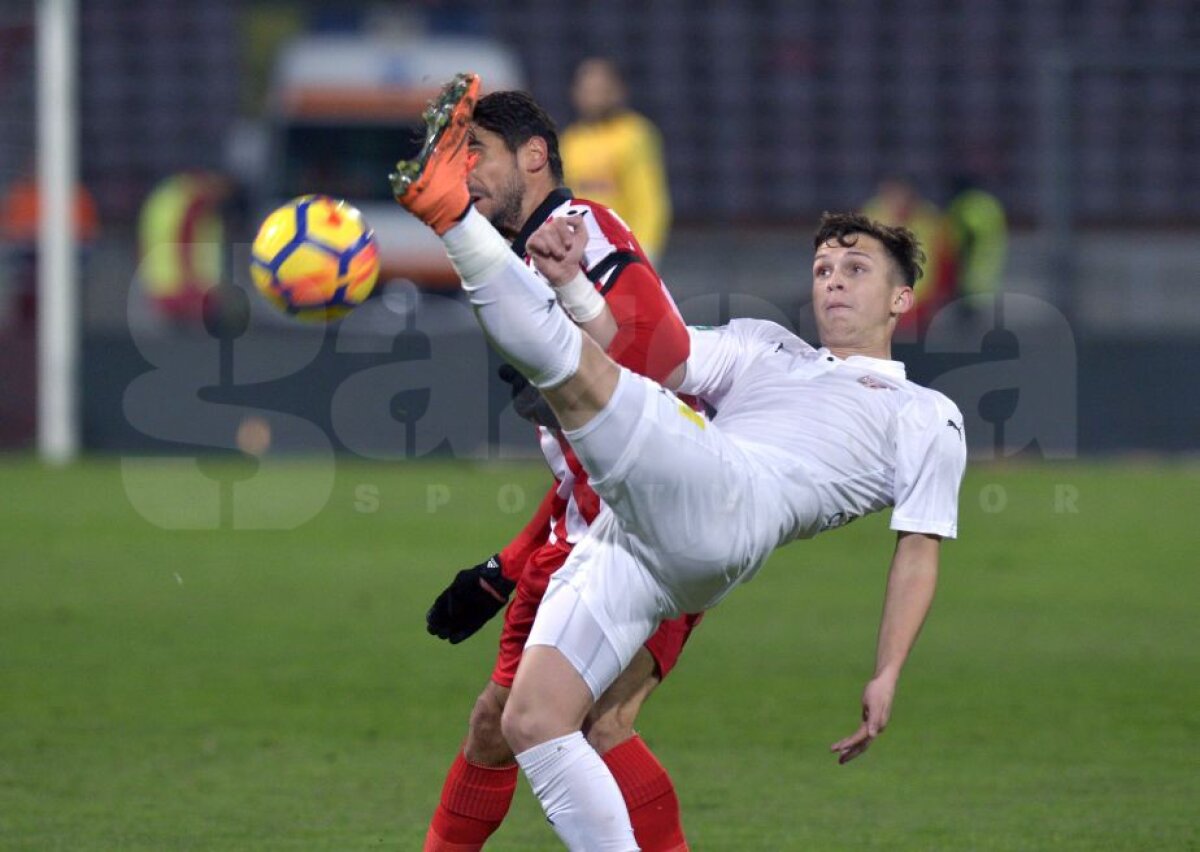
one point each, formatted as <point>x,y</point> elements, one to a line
<point>474,802</point>
<point>649,795</point>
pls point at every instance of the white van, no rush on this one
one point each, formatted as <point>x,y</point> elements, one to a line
<point>343,109</point>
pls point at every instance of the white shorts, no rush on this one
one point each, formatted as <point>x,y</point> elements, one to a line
<point>600,606</point>
<point>697,511</point>
<point>687,517</point>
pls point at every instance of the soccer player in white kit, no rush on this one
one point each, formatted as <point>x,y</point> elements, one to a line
<point>803,440</point>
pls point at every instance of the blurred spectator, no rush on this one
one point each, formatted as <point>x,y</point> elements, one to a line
<point>181,231</point>
<point>613,156</point>
<point>19,215</point>
<point>980,229</point>
<point>898,203</point>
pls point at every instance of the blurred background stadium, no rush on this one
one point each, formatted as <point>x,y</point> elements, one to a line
<point>1081,348</point>
<point>1080,118</point>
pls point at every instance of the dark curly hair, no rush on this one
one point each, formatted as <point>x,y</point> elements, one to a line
<point>516,118</point>
<point>901,244</point>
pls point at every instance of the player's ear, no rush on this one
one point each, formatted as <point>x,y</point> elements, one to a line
<point>903,299</point>
<point>534,155</point>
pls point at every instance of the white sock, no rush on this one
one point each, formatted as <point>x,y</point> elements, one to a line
<point>579,795</point>
<point>518,311</point>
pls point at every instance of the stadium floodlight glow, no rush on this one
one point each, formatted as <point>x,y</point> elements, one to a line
<point>57,309</point>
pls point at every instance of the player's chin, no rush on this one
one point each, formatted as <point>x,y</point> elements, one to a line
<point>838,314</point>
<point>490,211</point>
<point>834,330</point>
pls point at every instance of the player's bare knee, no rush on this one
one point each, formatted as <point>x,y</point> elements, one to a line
<point>609,730</point>
<point>522,727</point>
<point>485,745</point>
<point>550,699</point>
<point>526,724</point>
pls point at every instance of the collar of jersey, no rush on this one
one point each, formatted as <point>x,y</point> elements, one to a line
<point>556,198</point>
<point>892,369</point>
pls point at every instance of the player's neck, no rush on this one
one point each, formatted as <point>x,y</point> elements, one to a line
<point>883,353</point>
<point>535,197</point>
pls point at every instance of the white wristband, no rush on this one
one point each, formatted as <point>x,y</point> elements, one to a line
<point>580,299</point>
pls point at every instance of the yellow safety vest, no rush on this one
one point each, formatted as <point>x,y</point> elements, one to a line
<point>618,162</point>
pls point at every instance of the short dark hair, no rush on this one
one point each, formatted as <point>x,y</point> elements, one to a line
<point>516,118</point>
<point>901,244</point>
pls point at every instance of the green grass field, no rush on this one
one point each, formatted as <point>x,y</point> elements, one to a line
<point>240,689</point>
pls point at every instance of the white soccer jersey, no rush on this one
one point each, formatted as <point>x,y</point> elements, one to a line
<point>802,441</point>
<point>859,432</point>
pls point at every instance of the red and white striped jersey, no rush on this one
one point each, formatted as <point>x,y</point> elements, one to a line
<point>651,340</point>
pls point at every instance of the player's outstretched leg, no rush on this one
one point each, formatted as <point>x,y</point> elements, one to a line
<point>433,185</point>
<point>518,311</point>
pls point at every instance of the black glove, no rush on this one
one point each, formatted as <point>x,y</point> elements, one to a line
<point>527,401</point>
<point>469,602</point>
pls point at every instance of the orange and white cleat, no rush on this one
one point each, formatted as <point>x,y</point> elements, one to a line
<point>433,185</point>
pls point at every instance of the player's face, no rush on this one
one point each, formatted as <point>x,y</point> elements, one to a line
<point>495,181</point>
<point>857,292</point>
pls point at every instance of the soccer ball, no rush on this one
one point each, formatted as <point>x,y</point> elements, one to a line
<point>315,258</point>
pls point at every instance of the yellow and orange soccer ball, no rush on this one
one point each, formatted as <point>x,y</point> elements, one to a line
<point>315,258</point>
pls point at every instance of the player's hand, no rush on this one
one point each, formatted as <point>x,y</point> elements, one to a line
<point>469,602</point>
<point>876,710</point>
<point>527,400</point>
<point>557,248</point>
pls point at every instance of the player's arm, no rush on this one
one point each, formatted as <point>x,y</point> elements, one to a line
<point>477,593</point>
<point>719,355</point>
<point>604,327</point>
<point>636,323</point>
<point>930,457</point>
<point>557,250</point>
<point>650,337</point>
<point>638,326</point>
<point>910,587</point>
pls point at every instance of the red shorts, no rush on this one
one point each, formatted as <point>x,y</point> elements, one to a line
<point>665,645</point>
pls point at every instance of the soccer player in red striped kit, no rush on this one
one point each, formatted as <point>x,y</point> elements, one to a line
<point>516,182</point>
